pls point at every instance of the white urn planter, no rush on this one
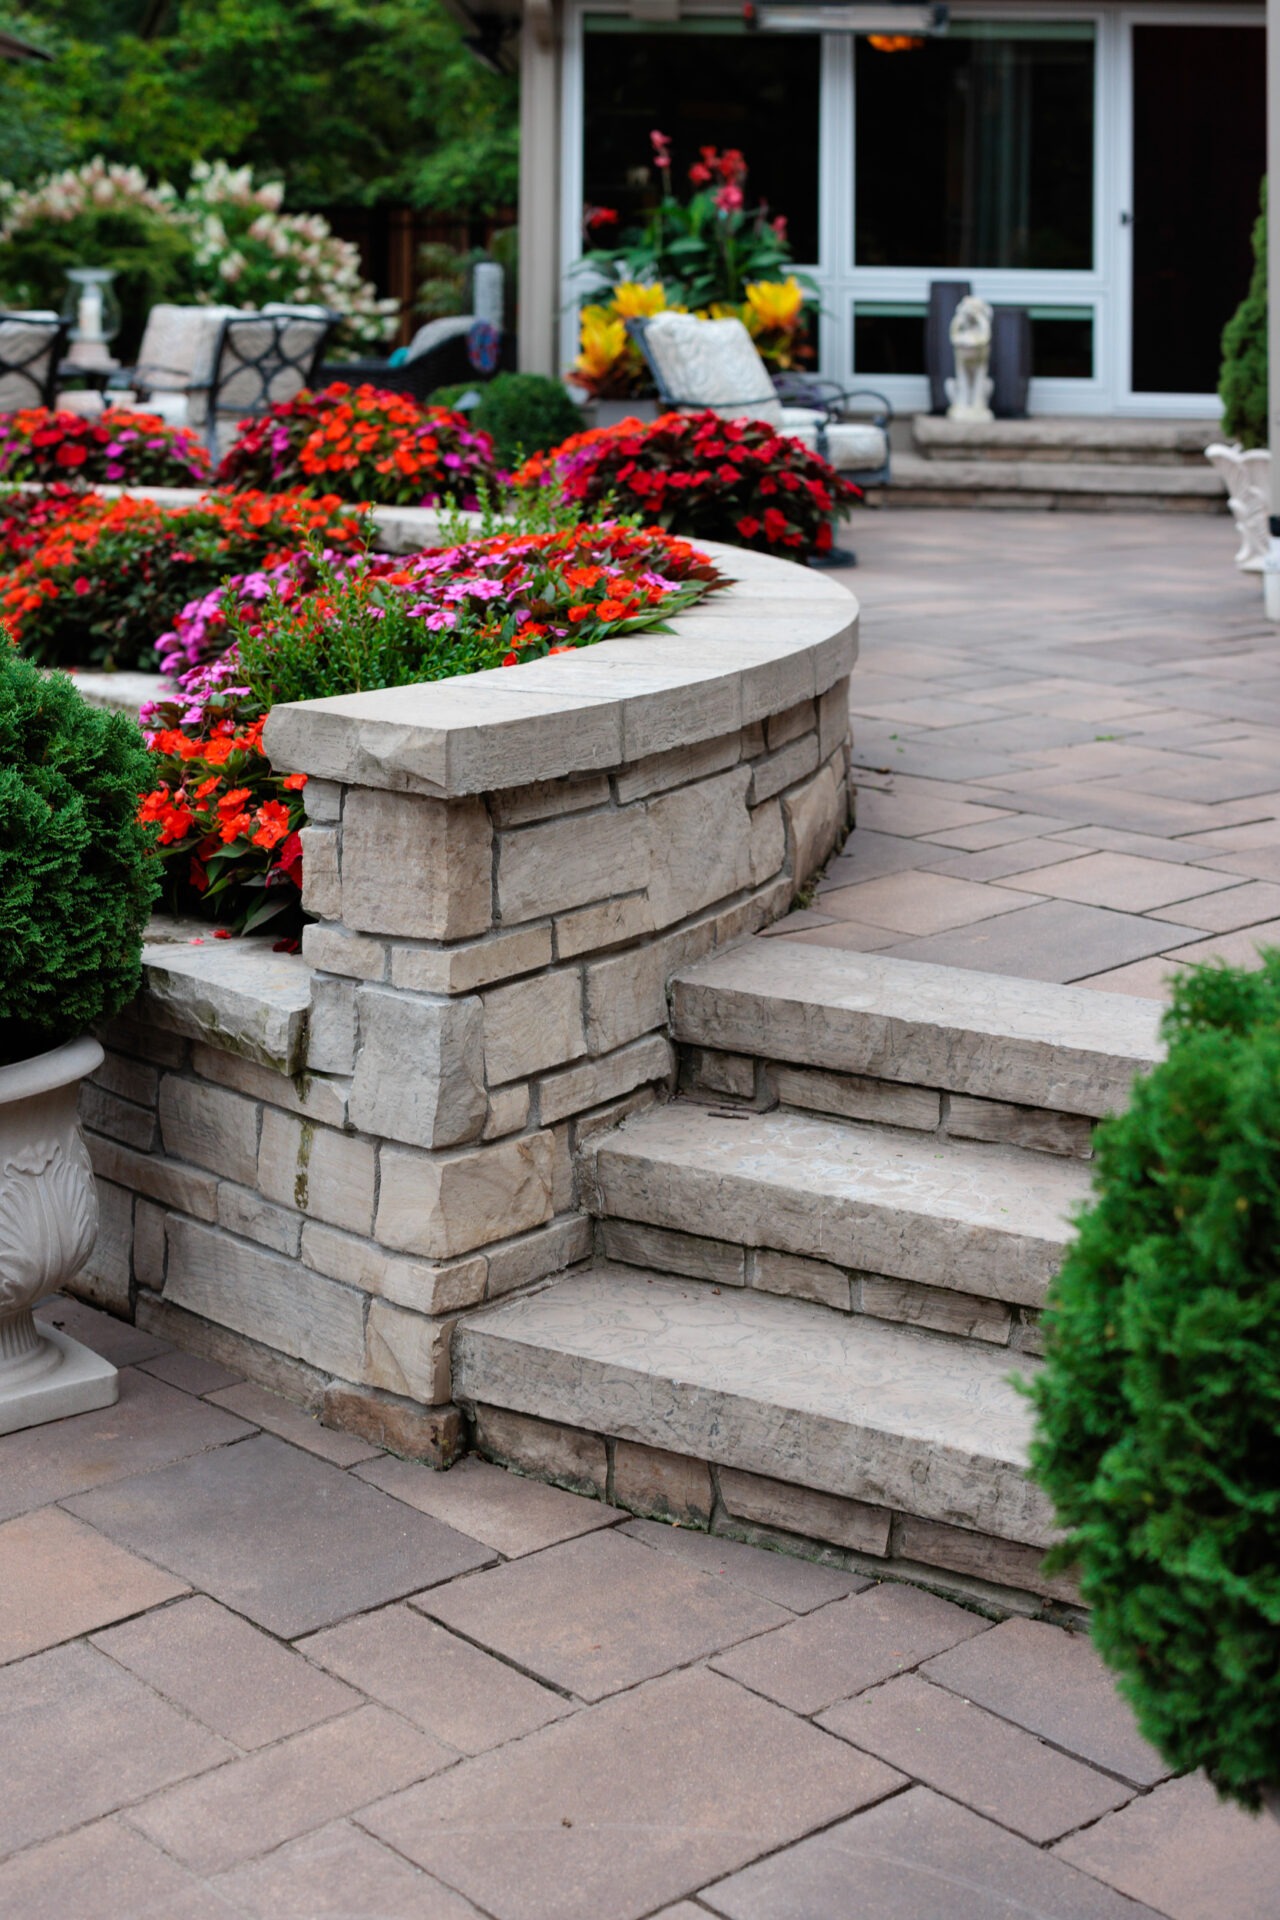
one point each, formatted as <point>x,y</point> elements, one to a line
<point>1247,478</point>
<point>48,1224</point>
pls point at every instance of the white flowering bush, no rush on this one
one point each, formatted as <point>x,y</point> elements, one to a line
<point>225,241</point>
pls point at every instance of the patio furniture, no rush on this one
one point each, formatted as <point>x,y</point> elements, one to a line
<point>715,364</point>
<point>218,364</point>
<point>31,345</point>
<point>437,356</point>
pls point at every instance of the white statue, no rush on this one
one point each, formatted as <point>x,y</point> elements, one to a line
<point>1248,483</point>
<point>970,390</point>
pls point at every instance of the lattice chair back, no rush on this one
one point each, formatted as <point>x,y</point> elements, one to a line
<point>178,348</point>
<point>262,359</point>
<point>31,346</point>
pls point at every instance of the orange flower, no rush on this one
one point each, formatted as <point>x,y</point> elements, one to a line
<point>273,823</point>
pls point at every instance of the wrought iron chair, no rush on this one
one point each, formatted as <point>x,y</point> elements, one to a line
<point>31,347</point>
<point>260,360</point>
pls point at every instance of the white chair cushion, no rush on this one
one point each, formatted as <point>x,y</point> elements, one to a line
<point>22,335</point>
<point>852,446</point>
<point>436,332</point>
<point>713,363</point>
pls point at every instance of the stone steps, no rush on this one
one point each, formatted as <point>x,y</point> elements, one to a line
<point>988,1222</point>
<point>1066,438</point>
<point>1084,485</point>
<point>886,1024</point>
<point>900,1420</point>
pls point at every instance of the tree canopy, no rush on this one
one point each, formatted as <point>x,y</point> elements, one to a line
<point>348,101</point>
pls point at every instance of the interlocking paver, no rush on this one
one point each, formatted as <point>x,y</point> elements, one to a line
<point>294,1424</point>
<point>511,1515</point>
<point>919,902</point>
<point>601,1613</point>
<point>993,1767</point>
<point>58,1578</point>
<point>850,1645</point>
<point>1185,1853</point>
<point>246,1808</point>
<point>1122,881</point>
<point>798,1585</point>
<point>447,1687</point>
<point>150,1425</point>
<point>1056,940</point>
<point>340,1873</point>
<point>123,1345</point>
<point>284,1538</point>
<point>917,1857</point>
<point>238,1680</point>
<point>81,1738</point>
<point>1054,1684</point>
<point>637,1802</point>
<point>110,1873</point>
<point>191,1372</point>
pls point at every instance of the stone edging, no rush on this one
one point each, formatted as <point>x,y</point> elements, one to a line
<point>778,636</point>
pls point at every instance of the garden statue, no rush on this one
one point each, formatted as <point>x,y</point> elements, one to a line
<point>1248,482</point>
<point>970,389</point>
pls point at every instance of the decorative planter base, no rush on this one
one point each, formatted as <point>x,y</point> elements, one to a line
<point>48,1224</point>
<point>63,1377</point>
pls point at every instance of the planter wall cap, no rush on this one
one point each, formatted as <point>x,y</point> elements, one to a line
<point>237,995</point>
<point>45,1071</point>
<point>778,635</point>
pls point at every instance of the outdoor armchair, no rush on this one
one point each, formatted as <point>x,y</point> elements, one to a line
<point>715,364</point>
<point>31,346</point>
<point>223,365</point>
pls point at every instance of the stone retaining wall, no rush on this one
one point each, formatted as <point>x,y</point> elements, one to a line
<point>309,1166</point>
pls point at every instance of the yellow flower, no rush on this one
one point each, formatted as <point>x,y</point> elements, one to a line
<point>602,341</point>
<point>634,300</point>
<point>775,304</point>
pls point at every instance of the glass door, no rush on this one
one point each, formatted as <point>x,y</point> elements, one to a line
<point>1199,153</point>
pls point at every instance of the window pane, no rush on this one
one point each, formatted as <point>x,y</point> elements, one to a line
<point>888,338</point>
<point>757,92</point>
<point>1061,344</point>
<point>976,149</point>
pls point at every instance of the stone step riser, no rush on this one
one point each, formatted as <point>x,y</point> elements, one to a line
<point>736,1080</point>
<point>889,1417</point>
<point>719,1263</point>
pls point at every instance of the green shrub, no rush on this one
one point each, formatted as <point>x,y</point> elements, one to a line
<point>522,413</point>
<point>76,876</point>
<point>1158,1434</point>
<point>1242,384</point>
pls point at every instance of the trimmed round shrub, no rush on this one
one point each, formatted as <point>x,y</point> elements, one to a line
<point>522,413</point>
<point>77,877</point>
<point>1242,385</point>
<point>1158,1409</point>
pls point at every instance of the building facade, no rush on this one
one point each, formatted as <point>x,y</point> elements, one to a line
<point>1098,164</point>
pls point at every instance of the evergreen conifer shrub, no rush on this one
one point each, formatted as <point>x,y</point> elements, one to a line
<point>1158,1409</point>
<point>77,878</point>
<point>1242,384</point>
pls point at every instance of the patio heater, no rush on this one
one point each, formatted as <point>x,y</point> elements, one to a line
<point>1271,572</point>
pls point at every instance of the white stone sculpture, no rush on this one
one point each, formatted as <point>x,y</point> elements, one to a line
<point>48,1224</point>
<point>1247,477</point>
<point>970,390</point>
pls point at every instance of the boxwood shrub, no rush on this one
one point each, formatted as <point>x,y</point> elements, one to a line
<point>1158,1410</point>
<point>77,877</point>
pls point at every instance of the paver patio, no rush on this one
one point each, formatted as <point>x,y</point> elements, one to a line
<point>249,1667</point>
<point>1067,744</point>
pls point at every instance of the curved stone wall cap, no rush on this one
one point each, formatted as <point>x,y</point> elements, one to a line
<point>44,1072</point>
<point>778,635</point>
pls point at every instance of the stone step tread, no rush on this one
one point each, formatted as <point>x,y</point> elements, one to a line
<point>855,1407</point>
<point>1053,476</point>
<point>1066,1049</point>
<point>985,1220</point>
<point>1105,433</point>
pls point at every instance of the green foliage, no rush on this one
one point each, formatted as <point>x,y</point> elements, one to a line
<point>522,413</point>
<point>1242,384</point>
<point>76,877</point>
<point>154,260</point>
<point>349,101</point>
<point>1158,1434</point>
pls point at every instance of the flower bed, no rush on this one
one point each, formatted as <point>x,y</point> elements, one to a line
<point>117,449</point>
<point>363,444</point>
<point>97,580</point>
<point>705,477</point>
<point>308,628</point>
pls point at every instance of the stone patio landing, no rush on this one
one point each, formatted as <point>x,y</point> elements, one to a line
<point>251,1667</point>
